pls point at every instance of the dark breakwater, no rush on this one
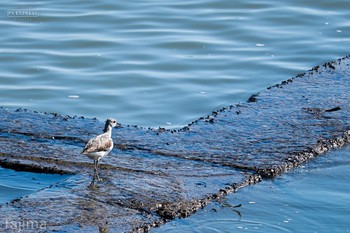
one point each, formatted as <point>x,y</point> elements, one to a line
<point>154,175</point>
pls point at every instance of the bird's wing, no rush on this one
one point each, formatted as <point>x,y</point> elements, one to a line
<point>99,143</point>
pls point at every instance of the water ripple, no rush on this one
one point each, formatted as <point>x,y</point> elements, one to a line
<point>114,52</point>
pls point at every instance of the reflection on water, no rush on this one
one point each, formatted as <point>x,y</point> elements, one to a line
<point>313,198</point>
<point>18,184</point>
<point>160,63</point>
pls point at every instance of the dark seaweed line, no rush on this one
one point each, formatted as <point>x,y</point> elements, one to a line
<point>12,162</point>
<point>168,213</point>
<point>329,66</point>
<point>323,146</point>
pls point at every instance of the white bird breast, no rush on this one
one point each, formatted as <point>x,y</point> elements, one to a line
<point>97,155</point>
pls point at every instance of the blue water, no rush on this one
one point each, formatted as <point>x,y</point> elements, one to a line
<point>166,63</point>
<point>160,63</point>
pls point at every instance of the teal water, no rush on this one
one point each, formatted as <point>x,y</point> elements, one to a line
<point>161,63</point>
<point>312,198</point>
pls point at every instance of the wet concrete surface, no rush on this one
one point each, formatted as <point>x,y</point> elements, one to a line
<point>155,175</point>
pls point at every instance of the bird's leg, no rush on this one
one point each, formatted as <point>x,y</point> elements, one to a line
<point>95,170</point>
<point>98,178</point>
<point>92,184</point>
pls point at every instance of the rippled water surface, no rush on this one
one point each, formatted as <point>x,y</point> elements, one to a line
<point>160,63</point>
<point>313,198</point>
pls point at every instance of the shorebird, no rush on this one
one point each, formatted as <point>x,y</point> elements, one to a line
<point>100,146</point>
